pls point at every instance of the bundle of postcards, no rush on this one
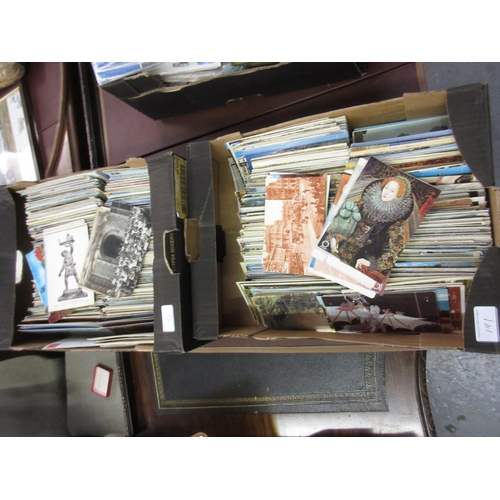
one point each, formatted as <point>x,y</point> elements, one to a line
<point>405,229</point>
<point>92,258</point>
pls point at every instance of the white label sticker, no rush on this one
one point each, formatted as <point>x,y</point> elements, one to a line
<point>167,318</point>
<point>486,322</point>
<point>19,267</point>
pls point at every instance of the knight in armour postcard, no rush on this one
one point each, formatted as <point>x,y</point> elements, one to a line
<point>65,248</point>
<point>68,265</point>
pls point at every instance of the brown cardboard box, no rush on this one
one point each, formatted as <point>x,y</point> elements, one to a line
<point>229,318</point>
<point>16,296</point>
<point>221,321</point>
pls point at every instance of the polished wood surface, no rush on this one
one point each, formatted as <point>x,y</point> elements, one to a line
<point>407,415</point>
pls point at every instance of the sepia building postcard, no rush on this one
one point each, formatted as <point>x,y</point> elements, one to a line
<point>295,211</point>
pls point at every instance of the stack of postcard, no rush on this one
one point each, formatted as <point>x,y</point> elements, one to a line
<point>61,205</point>
<point>316,148</point>
<point>93,253</point>
<point>445,247</point>
<point>450,242</point>
<point>408,224</point>
<point>130,187</point>
<point>62,200</point>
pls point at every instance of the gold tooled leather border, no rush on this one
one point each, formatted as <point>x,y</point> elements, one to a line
<point>370,393</point>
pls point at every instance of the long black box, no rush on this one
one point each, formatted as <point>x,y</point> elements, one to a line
<point>148,94</point>
<point>171,270</point>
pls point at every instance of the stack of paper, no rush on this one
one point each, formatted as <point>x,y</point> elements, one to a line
<point>318,147</point>
<point>407,220</point>
<point>450,242</point>
<point>131,186</point>
<point>93,254</point>
<point>52,205</point>
<point>62,200</point>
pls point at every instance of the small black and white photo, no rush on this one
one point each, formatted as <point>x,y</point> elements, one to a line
<point>65,248</point>
<point>118,243</point>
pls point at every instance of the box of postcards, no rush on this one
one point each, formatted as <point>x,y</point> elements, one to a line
<point>84,271</point>
<point>371,228</point>
<point>361,229</point>
<point>165,90</point>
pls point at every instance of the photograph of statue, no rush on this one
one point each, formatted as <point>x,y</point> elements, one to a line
<point>69,268</point>
<point>65,249</point>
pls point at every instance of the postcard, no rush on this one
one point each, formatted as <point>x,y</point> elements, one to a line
<point>65,248</point>
<point>378,212</point>
<point>390,312</point>
<point>255,292</point>
<point>118,244</point>
<point>291,311</point>
<point>37,267</point>
<point>295,210</point>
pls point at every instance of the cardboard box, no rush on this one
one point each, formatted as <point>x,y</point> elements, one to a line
<point>229,316</point>
<point>16,295</point>
<point>148,94</point>
<point>208,311</point>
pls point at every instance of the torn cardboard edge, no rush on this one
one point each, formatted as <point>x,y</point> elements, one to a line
<point>192,239</point>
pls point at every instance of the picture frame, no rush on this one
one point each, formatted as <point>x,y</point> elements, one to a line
<point>19,160</point>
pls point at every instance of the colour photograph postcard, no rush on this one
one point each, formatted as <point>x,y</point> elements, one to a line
<point>373,222</point>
